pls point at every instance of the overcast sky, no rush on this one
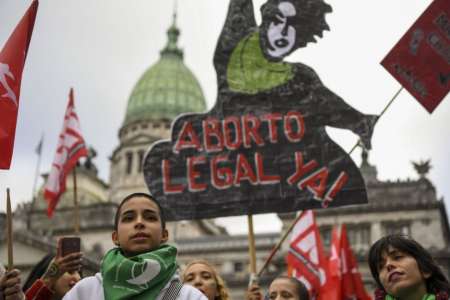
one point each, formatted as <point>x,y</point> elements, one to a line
<point>102,47</point>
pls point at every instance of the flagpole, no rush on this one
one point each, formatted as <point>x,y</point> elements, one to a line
<point>251,249</point>
<point>9,230</point>
<point>283,238</point>
<point>36,176</point>
<point>38,164</point>
<point>379,116</point>
<point>280,242</point>
<point>75,200</point>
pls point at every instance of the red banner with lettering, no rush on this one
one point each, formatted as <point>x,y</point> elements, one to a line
<point>420,61</point>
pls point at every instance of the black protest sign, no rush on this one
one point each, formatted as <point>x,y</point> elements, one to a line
<point>263,146</point>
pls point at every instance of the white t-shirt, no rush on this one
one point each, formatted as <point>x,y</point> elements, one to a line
<point>91,288</point>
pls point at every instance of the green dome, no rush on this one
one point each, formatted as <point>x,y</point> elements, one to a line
<point>167,89</point>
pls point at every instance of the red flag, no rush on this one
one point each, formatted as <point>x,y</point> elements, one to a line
<point>352,285</point>
<point>12,60</point>
<point>70,148</point>
<point>306,256</point>
<point>333,284</point>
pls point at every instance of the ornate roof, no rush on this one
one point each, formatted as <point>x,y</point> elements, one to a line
<point>167,89</point>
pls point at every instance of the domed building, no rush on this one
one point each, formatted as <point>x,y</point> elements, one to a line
<point>167,89</point>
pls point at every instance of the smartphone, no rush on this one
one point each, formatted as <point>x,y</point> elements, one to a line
<point>70,245</point>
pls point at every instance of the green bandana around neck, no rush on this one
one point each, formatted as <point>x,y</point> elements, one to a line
<point>139,277</point>
<point>426,297</point>
<point>248,71</point>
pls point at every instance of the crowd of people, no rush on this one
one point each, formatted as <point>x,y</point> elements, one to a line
<point>143,266</point>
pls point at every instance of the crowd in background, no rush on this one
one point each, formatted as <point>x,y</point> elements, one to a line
<point>401,268</point>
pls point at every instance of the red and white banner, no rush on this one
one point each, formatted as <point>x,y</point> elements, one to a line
<point>420,61</point>
<point>71,147</point>
<point>12,61</point>
<point>306,257</point>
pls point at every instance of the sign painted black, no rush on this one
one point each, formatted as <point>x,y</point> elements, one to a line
<point>263,146</point>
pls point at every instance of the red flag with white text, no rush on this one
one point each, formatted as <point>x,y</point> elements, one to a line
<point>306,257</point>
<point>352,285</point>
<point>71,147</point>
<point>12,61</point>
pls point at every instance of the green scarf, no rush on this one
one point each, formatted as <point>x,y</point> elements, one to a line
<point>139,277</point>
<point>426,297</point>
<point>250,72</point>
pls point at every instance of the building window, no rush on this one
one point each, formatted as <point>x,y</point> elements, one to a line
<point>141,160</point>
<point>238,266</point>
<point>325,233</point>
<point>397,228</point>
<point>359,236</point>
<point>129,156</point>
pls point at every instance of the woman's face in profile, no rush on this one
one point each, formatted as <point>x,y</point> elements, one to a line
<point>281,34</point>
<point>399,273</point>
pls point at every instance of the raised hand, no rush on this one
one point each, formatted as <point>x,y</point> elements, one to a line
<point>10,286</point>
<point>254,292</point>
<point>60,265</point>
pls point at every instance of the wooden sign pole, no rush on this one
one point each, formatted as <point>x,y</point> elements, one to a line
<point>9,230</point>
<point>75,201</point>
<point>251,249</point>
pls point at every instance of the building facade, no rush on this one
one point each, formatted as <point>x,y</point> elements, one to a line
<point>165,90</point>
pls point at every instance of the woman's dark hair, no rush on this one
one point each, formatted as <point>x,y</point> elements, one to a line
<point>144,195</point>
<point>301,288</point>
<point>38,270</point>
<point>310,19</point>
<point>436,283</point>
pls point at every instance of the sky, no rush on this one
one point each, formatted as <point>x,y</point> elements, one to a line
<point>102,47</point>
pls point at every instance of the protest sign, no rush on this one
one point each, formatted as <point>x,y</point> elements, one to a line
<point>420,61</point>
<point>263,146</point>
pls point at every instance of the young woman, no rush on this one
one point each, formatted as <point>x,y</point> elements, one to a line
<point>141,266</point>
<point>281,288</point>
<point>53,277</point>
<point>50,279</point>
<point>202,275</point>
<point>404,270</point>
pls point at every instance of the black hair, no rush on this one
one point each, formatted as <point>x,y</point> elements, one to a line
<point>144,195</point>
<point>302,291</point>
<point>310,20</point>
<point>38,271</point>
<point>436,283</point>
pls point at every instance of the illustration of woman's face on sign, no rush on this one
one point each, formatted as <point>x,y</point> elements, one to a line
<point>290,24</point>
<point>280,33</point>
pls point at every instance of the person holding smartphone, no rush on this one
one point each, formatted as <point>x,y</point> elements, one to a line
<point>54,276</point>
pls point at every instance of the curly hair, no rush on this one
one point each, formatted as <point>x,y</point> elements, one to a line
<point>222,290</point>
<point>437,283</point>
